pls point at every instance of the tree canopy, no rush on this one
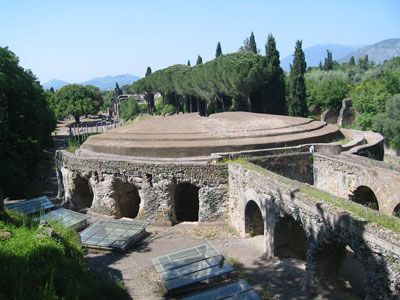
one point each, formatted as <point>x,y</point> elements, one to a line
<point>297,104</point>
<point>77,100</point>
<point>26,123</point>
<point>237,75</point>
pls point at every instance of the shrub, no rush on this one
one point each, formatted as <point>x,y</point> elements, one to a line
<point>129,109</point>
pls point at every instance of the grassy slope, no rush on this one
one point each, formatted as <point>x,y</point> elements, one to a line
<point>46,267</point>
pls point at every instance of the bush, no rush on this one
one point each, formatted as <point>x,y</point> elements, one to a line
<point>129,109</point>
<point>44,267</point>
<point>168,109</point>
<point>388,123</point>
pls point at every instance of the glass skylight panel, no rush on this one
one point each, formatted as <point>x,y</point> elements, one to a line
<point>31,206</point>
<point>67,217</point>
<point>113,234</point>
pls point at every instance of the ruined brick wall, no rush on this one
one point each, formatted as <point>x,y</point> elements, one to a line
<point>297,166</point>
<point>377,249</point>
<point>155,182</point>
<point>341,175</point>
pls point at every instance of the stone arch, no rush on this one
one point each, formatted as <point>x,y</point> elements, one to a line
<point>290,239</point>
<point>396,211</point>
<point>82,193</point>
<point>127,199</point>
<point>253,219</point>
<point>186,202</point>
<point>338,267</point>
<point>365,196</point>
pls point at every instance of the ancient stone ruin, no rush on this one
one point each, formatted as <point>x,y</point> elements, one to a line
<point>269,175</point>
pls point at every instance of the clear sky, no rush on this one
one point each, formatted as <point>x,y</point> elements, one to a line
<point>76,40</point>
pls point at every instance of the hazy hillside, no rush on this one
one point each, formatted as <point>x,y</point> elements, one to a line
<point>317,53</point>
<point>103,83</point>
<point>55,83</point>
<point>108,82</point>
<point>378,52</point>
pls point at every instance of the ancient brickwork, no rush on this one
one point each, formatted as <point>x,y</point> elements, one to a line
<point>155,183</point>
<point>325,226</point>
<point>341,175</point>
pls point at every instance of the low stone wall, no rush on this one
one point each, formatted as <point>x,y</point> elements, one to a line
<point>81,178</point>
<point>325,226</point>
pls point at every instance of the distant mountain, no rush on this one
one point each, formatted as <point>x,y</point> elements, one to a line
<point>55,83</point>
<point>103,83</point>
<point>108,82</point>
<point>379,52</point>
<point>317,53</point>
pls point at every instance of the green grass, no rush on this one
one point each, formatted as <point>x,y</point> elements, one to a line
<point>73,145</point>
<point>46,267</point>
<point>386,221</point>
<point>389,222</point>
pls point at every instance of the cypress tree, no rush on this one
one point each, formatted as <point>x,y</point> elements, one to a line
<point>52,90</point>
<point>297,104</point>
<point>148,72</point>
<point>328,65</point>
<point>352,61</point>
<point>199,60</point>
<point>188,63</point>
<point>118,91</point>
<point>218,51</point>
<point>252,43</point>
<point>274,94</point>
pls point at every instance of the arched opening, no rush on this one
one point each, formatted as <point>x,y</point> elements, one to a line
<point>338,268</point>
<point>396,211</point>
<point>186,202</point>
<point>290,240</point>
<point>253,220</point>
<point>127,198</point>
<point>365,196</point>
<point>82,196</point>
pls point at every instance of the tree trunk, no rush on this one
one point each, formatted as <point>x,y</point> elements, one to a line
<point>77,119</point>
<point>198,105</point>
<point>190,104</point>
<point>249,103</point>
<point>1,199</point>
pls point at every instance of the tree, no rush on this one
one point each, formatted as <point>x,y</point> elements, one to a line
<point>77,100</point>
<point>199,60</point>
<point>129,108</point>
<point>274,102</point>
<point>328,64</point>
<point>148,72</point>
<point>297,104</point>
<point>249,45</point>
<point>218,51</point>
<point>352,61</point>
<point>188,63</point>
<point>26,123</point>
<point>326,90</point>
<point>118,91</point>
<point>149,96</point>
<point>52,90</point>
<point>388,122</point>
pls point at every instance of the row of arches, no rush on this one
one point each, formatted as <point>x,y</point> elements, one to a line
<point>185,200</point>
<point>335,261</point>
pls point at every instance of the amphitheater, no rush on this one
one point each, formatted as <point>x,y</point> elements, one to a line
<point>314,191</point>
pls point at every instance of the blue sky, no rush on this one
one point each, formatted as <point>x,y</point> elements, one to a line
<point>78,40</point>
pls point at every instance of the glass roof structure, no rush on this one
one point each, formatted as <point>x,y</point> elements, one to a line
<point>113,234</point>
<point>234,290</point>
<point>190,266</point>
<point>31,206</point>
<point>69,218</point>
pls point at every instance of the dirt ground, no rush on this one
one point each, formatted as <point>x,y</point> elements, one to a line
<point>272,279</point>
